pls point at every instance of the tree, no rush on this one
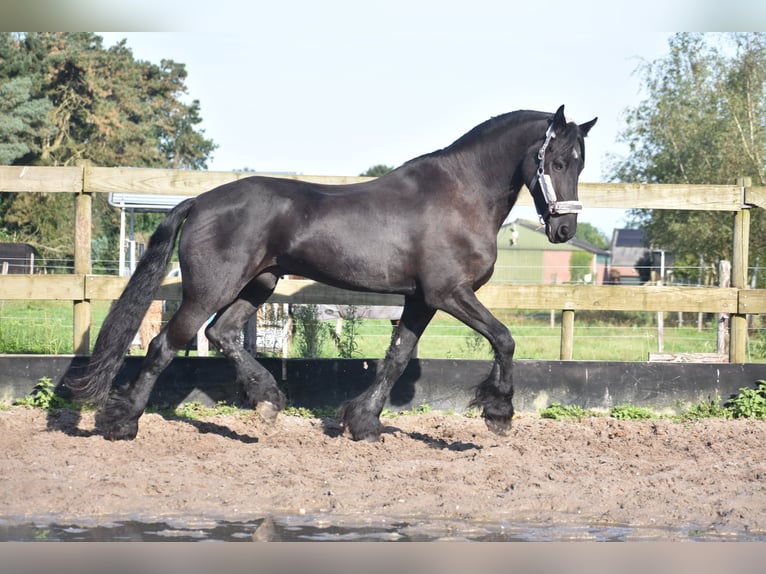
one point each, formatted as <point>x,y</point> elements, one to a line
<point>23,120</point>
<point>101,106</point>
<point>591,234</point>
<point>377,170</point>
<point>581,264</point>
<point>703,122</point>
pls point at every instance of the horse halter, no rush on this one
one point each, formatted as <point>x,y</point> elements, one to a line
<point>555,207</point>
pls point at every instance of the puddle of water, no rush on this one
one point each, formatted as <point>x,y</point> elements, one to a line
<point>303,528</point>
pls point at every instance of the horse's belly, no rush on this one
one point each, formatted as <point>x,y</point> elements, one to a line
<point>359,275</point>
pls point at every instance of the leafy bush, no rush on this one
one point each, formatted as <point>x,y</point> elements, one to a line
<point>44,396</point>
<point>749,403</point>
<point>310,331</point>
<point>348,344</point>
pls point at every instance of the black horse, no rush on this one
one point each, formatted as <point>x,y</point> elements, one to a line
<point>427,230</point>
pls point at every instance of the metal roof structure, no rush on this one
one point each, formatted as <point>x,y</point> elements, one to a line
<point>145,202</point>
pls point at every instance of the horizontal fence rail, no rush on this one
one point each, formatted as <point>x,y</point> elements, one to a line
<point>83,287</point>
<point>88,179</point>
<point>299,291</point>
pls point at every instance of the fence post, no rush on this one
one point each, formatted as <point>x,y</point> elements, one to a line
<point>740,246</point>
<point>567,334</point>
<point>82,266</point>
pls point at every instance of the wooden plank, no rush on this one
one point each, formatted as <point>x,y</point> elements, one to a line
<point>287,291</point>
<point>688,358</point>
<point>661,196</point>
<point>574,297</point>
<point>104,287</point>
<point>41,287</point>
<point>756,196</point>
<point>190,182</point>
<point>41,179</point>
<point>655,196</point>
<point>310,292</point>
<point>609,297</point>
<point>109,287</point>
<point>752,302</point>
<point>170,290</point>
<point>181,182</point>
<point>597,195</point>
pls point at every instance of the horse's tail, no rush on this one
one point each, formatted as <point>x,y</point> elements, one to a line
<point>126,314</point>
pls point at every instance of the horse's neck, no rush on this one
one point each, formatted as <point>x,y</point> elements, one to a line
<point>502,169</point>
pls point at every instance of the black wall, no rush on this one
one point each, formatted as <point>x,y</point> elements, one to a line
<point>443,384</point>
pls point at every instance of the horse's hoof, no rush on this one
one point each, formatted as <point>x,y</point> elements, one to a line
<point>498,425</point>
<point>268,411</point>
<point>359,434</point>
<point>127,431</point>
<point>367,432</point>
<point>366,437</point>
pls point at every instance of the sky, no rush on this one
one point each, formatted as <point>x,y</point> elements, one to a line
<point>334,87</point>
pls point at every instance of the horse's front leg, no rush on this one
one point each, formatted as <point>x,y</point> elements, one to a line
<point>361,415</point>
<point>495,395</point>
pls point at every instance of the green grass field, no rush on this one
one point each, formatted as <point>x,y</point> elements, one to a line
<point>535,339</point>
<point>45,327</point>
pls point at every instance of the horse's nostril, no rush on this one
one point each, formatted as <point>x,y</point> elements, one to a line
<point>564,232</point>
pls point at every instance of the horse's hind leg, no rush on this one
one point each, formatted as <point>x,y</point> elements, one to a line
<point>361,414</point>
<point>259,385</point>
<point>119,418</point>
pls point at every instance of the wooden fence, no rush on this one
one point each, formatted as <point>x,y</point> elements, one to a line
<point>82,287</point>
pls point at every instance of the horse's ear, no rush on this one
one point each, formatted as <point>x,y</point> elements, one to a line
<point>559,119</point>
<point>585,128</point>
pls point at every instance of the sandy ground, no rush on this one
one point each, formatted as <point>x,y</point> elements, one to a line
<point>665,479</point>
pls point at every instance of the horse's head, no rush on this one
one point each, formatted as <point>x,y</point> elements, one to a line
<point>551,173</point>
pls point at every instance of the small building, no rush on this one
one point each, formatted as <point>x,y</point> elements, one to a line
<point>524,255</point>
<point>18,258</point>
<point>633,262</point>
<point>629,254</point>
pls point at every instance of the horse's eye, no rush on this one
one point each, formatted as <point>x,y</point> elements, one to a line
<point>558,165</point>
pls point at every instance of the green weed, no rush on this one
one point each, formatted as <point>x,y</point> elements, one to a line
<point>195,410</point>
<point>557,412</point>
<point>629,412</point>
<point>44,396</point>
<point>421,410</point>
<point>749,403</point>
<point>311,413</point>
<point>706,410</point>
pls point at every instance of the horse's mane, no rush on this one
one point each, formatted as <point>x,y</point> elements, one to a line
<point>501,122</point>
<point>505,121</point>
<point>481,131</point>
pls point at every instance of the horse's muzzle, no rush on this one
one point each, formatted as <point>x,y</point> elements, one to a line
<point>561,228</point>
